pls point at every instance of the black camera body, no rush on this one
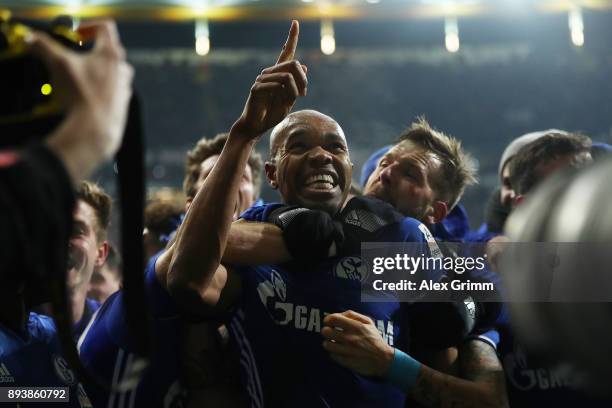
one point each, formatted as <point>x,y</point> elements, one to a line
<point>28,107</point>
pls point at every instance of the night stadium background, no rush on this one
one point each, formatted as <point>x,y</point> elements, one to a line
<point>522,65</point>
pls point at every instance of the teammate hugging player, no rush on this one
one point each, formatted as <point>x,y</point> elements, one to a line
<point>277,311</point>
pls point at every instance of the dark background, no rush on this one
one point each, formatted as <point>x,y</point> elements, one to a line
<point>510,77</point>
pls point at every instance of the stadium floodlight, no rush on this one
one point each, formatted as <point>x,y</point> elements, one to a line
<point>199,8</point>
<point>576,26</point>
<point>202,39</point>
<point>373,1</point>
<point>451,34</point>
<point>73,7</point>
<point>328,40</point>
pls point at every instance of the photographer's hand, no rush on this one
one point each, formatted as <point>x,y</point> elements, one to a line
<point>95,89</point>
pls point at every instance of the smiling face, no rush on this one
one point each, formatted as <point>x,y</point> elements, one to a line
<point>311,166</point>
<point>403,178</point>
<point>85,251</point>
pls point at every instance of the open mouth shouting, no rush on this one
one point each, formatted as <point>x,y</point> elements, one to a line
<point>321,182</point>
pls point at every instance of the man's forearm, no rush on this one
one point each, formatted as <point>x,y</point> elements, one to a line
<point>481,383</point>
<point>255,243</point>
<point>248,243</point>
<point>436,389</point>
<point>202,238</point>
<point>353,341</point>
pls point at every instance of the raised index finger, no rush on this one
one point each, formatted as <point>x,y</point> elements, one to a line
<point>288,52</point>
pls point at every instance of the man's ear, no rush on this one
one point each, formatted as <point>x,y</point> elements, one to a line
<point>270,169</point>
<point>102,254</point>
<point>439,211</point>
<point>518,199</point>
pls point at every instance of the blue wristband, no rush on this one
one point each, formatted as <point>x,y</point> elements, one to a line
<point>403,371</point>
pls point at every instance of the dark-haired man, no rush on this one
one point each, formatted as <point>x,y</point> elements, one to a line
<point>541,158</point>
<point>202,158</point>
<point>499,205</point>
<point>529,381</point>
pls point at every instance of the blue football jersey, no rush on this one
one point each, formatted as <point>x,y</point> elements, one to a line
<point>106,350</point>
<point>35,360</point>
<point>482,234</point>
<point>529,383</point>
<point>279,317</point>
<point>90,307</point>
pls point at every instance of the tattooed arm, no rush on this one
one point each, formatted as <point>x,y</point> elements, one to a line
<point>481,384</point>
<point>352,340</point>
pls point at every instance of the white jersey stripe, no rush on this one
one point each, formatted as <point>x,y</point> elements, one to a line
<point>132,397</point>
<point>244,343</point>
<point>82,337</point>
<point>247,366</point>
<point>247,346</point>
<point>126,370</point>
<point>117,369</point>
<point>251,356</point>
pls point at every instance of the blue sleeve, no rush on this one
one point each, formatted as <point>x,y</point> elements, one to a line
<point>491,338</point>
<point>41,326</point>
<point>160,303</point>
<point>259,213</point>
<point>418,241</point>
<point>454,227</point>
<point>482,234</point>
<point>503,319</point>
<point>111,315</point>
<point>93,304</point>
<point>413,230</point>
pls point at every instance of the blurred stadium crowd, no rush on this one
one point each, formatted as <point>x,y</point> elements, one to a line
<point>486,99</point>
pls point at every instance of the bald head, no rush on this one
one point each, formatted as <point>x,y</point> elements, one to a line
<point>309,161</point>
<point>306,117</point>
